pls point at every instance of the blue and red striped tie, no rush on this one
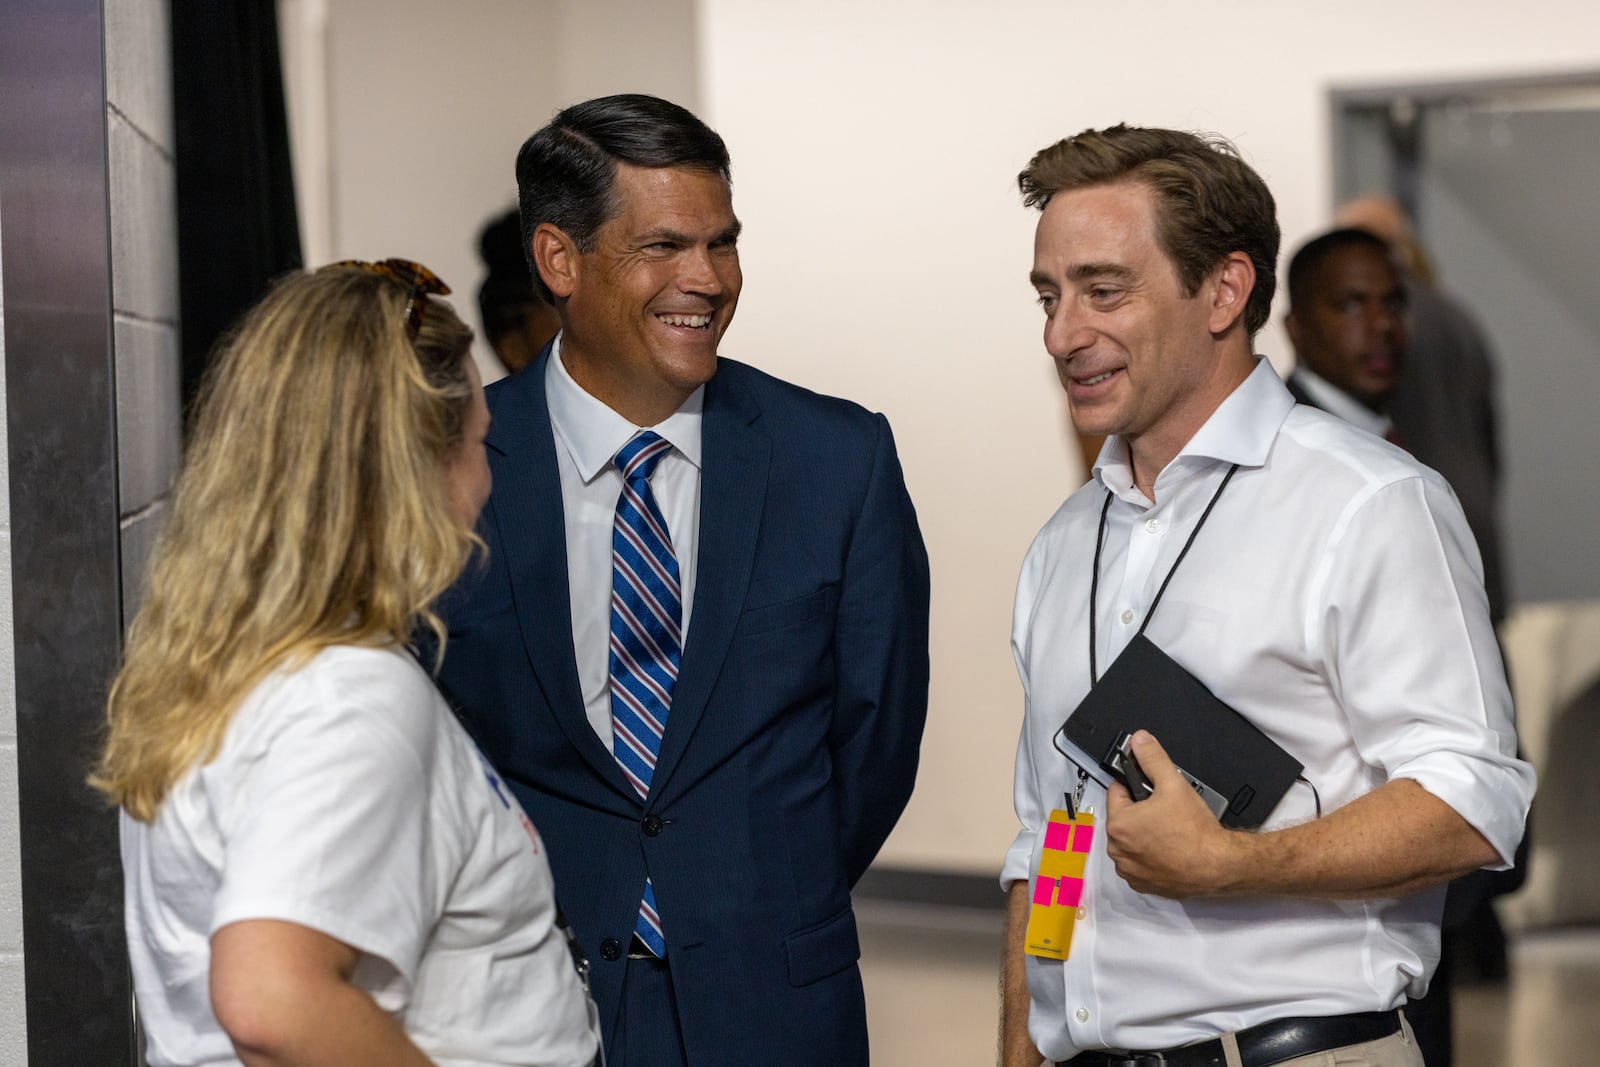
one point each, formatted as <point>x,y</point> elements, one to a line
<point>646,636</point>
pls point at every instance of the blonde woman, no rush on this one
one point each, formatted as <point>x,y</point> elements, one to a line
<point>320,867</point>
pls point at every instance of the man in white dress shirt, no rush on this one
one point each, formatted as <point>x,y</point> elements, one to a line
<point>1334,598</point>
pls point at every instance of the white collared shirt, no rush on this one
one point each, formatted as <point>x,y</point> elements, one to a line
<point>588,436</point>
<point>1335,598</point>
<point>1336,401</point>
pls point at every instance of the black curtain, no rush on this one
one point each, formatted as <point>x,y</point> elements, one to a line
<point>237,225</point>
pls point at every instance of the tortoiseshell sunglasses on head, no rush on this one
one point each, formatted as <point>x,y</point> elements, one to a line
<point>418,281</point>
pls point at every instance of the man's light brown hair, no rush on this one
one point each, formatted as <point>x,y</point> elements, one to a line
<point>1209,202</point>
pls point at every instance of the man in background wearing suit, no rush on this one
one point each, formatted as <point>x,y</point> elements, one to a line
<point>1444,403</point>
<point>698,650</point>
<point>1349,324</point>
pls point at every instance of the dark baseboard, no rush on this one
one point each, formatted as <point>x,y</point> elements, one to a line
<point>950,889</point>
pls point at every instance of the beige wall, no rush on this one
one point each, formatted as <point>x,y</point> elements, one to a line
<point>407,114</point>
<point>875,148</point>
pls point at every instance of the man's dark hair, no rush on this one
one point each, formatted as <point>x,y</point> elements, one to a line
<point>566,172</point>
<point>1309,259</point>
<point>1209,202</point>
<point>507,297</point>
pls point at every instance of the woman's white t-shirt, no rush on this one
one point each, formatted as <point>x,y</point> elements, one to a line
<point>346,798</point>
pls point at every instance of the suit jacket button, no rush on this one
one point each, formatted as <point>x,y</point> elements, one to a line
<point>652,825</point>
<point>611,948</point>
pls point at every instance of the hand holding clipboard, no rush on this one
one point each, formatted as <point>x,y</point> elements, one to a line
<point>1169,844</point>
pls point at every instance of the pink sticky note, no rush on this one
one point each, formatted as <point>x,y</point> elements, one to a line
<point>1055,836</point>
<point>1044,890</point>
<point>1071,892</point>
<point>1083,838</point>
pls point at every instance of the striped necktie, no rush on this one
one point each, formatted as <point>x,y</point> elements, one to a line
<point>646,635</point>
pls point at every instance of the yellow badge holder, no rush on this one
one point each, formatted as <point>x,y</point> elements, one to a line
<point>1058,887</point>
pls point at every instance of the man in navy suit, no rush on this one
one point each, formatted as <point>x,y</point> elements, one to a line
<point>707,688</point>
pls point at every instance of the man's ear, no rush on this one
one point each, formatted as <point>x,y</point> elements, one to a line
<point>1233,282</point>
<point>556,257</point>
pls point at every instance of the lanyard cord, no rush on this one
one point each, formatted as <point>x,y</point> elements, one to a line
<point>1094,581</point>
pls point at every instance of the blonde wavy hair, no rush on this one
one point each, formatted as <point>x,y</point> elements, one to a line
<point>312,510</point>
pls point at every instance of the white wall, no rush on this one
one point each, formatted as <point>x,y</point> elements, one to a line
<point>429,103</point>
<point>407,114</point>
<point>876,147</point>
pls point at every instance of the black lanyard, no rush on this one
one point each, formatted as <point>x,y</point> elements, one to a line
<point>1094,582</point>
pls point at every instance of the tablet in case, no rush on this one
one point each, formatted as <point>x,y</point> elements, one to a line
<point>1147,689</point>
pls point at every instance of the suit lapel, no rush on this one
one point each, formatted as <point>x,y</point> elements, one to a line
<point>528,511</point>
<point>733,487</point>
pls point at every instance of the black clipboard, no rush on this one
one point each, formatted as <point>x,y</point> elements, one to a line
<point>1147,689</point>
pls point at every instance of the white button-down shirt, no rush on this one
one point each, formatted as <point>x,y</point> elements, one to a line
<point>1335,598</point>
<point>588,436</point>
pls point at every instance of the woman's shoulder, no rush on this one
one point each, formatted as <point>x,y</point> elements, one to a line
<point>347,688</point>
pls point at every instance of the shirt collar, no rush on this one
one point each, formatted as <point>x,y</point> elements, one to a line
<point>1336,401</point>
<point>593,432</point>
<point>1240,431</point>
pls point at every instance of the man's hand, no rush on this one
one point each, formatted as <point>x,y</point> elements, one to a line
<point>1168,844</point>
<point>1395,840</point>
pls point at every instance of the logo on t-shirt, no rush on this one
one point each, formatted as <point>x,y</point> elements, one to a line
<point>506,801</point>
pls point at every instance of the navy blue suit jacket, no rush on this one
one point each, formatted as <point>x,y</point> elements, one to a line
<point>791,745</point>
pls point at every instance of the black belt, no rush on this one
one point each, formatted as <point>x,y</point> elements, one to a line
<point>1260,1046</point>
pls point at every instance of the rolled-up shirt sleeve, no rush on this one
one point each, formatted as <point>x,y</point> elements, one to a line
<point>1403,629</point>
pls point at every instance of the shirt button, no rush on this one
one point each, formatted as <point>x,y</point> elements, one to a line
<point>1152,525</point>
<point>651,825</point>
<point>1127,617</point>
<point>611,948</point>
<point>1082,1014</point>
<point>1083,912</point>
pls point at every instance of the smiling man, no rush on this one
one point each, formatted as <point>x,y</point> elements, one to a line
<point>698,651</point>
<point>1312,577</point>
